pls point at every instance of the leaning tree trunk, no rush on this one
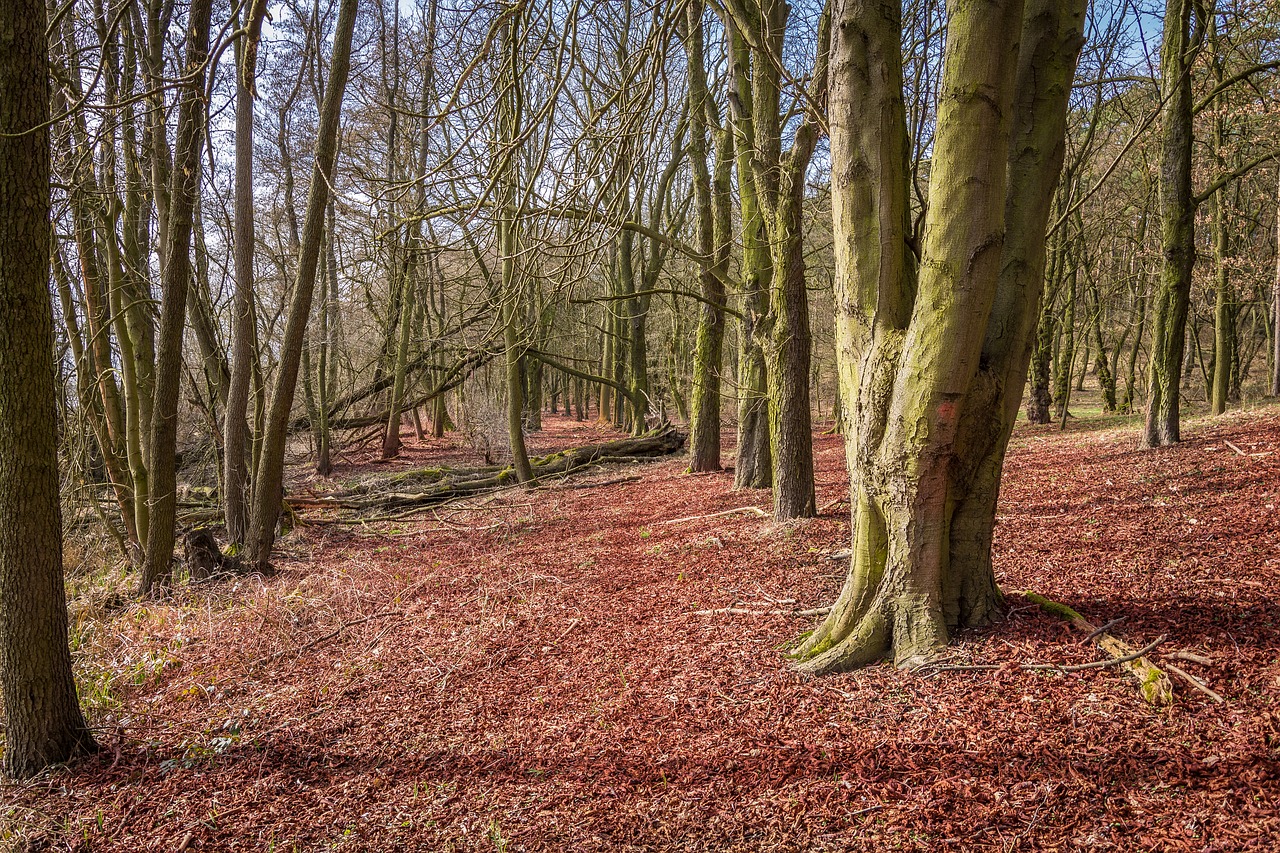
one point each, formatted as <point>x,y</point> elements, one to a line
<point>1177,221</point>
<point>269,480</point>
<point>43,723</point>
<point>936,361</point>
<point>175,284</point>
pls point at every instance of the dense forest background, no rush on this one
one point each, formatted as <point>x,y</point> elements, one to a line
<point>606,144</point>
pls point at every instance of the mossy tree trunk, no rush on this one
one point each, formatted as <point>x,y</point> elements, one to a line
<point>711,201</point>
<point>1177,222</point>
<point>1274,384</point>
<point>510,106</point>
<point>933,352</point>
<point>43,723</point>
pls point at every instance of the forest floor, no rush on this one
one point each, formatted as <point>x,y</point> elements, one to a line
<point>533,671</point>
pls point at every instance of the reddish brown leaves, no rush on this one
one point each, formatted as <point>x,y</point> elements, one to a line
<point>541,683</point>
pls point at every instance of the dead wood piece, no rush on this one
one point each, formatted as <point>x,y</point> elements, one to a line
<point>755,509</point>
<point>615,481</point>
<point>429,486</point>
<point>1236,449</point>
<point>1183,654</point>
<point>748,611</point>
<point>205,560</point>
<point>1195,682</point>
<point>1153,685</point>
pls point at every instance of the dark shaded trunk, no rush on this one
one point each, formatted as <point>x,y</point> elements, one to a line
<point>43,723</point>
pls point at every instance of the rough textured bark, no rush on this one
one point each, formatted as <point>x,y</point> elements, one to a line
<point>1275,311</point>
<point>43,723</point>
<point>788,341</point>
<point>935,362</point>
<point>753,465</point>
<point>269,476</point>
<point>1177,222</point>
<point>175,284</point>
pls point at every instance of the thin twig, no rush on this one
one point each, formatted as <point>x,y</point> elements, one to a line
<point>1104,629</point>
<point>1195,682</point>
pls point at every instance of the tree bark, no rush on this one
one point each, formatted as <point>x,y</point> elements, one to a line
<point>236,453</point>
<point>935,362</point>
<point>175,284</point>
<point>753,465</point>
<point>1177,221</point>
<point>704,420</point>
<point>1275,311</point>
<point>269,480</point>
<point>43,723</point>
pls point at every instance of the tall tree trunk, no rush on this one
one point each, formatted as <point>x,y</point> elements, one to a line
<point>269,480</point>
<point>704,410</point>
<point>43,723</point>
<point>753,466</point>
<point>1275,311</point>
<point>936,361</point>
<point>790,343</point>
<point>510,116</point>
<point>1065,368</point>
<point>176,282</point>
<point>1177,221</point>
<point>235,430</point>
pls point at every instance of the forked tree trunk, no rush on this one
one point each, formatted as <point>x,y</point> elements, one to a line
<point>43,723</point>
<point>936,361</point>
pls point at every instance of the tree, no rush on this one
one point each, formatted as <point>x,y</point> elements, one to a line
<point>235,426</point>
<point>176,275</point>
<point>933,348</point>
<point>43,721</point>
<point>268,491</point>
<point>1177,222</point>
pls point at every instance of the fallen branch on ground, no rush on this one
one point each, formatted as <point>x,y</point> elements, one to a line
<point>1195,682</point>
<point>1153,684</point>
<point>748,611</point>
<point>427,486</point>
<point>757,510</point>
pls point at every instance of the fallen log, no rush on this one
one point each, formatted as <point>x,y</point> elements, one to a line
<point>1153,684</point>
<point>426,486</point>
